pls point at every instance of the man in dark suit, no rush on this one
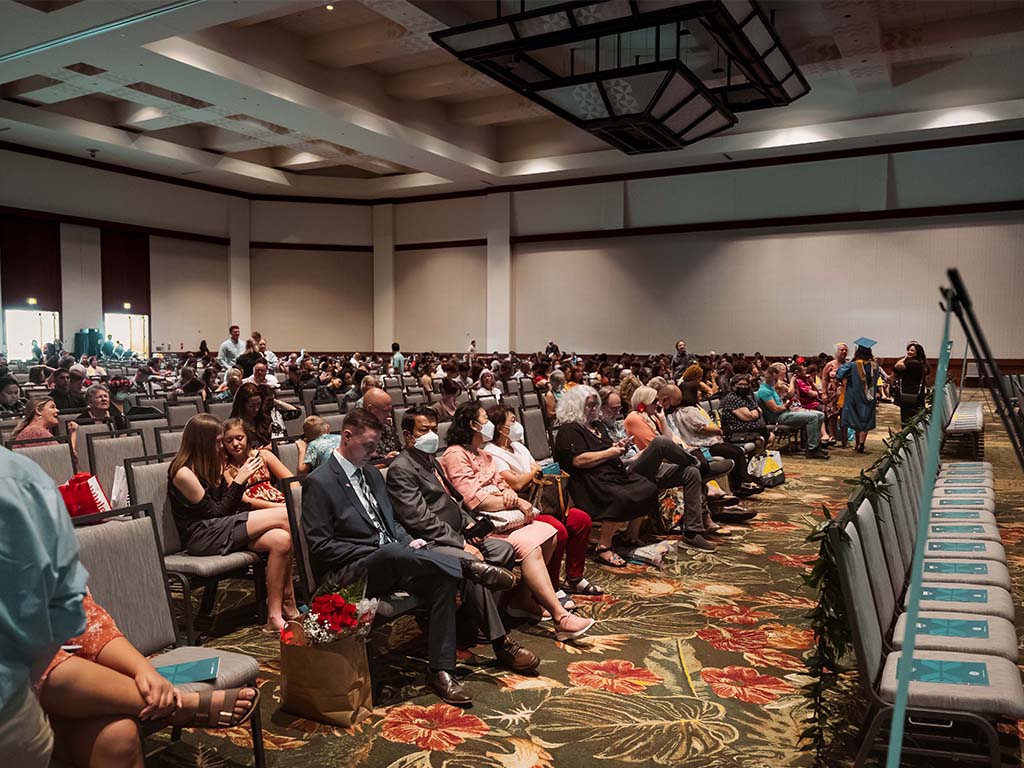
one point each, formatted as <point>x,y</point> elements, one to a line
<point>351,532</point>
<point>428,506</point>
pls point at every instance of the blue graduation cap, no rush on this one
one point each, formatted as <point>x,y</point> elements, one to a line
<point>865,342</point>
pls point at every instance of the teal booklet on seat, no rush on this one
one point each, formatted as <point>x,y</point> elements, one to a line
<point>198,671</point>
<point>961,502</point>
<point>969,569</point>
<point>953,628</point>
<point>956,546</point>
<point>949,672</point>
<point>951,515</point>
<point>957,529</point>
<point>947,595</point>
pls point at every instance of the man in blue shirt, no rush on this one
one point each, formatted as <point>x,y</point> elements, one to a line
<point>776,412</point>
<point>230,349</point>
<point>41,589</point>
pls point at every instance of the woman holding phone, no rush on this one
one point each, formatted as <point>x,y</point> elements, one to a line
<point>211,517</point>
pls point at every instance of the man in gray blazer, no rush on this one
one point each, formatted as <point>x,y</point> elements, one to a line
<point>428,506</point>
<point>352,533</point>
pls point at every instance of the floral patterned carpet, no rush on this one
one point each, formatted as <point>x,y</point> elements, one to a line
<point>697,664</point>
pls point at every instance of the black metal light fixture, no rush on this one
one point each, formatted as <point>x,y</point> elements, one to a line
<point>616,67</point>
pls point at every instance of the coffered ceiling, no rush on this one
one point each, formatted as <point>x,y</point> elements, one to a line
<point>354,100</point>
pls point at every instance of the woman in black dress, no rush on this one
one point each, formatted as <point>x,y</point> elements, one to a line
<point>912,380</point>
<point>210,518</point>
<point>600,484</point>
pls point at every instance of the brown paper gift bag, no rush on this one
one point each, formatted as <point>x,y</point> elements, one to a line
<point>329,683</point>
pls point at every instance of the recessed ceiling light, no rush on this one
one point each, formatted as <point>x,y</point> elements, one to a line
<point>329,7</point>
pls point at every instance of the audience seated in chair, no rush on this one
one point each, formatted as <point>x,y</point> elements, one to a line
<point>429,507</point>
<point>695,427</point>
<point>97,696</point>
<point>600,484</point>
<point>62,394</point>
<point>316,445</point>
<point>11,402</point>
<point>352,534</point>
<point>668,464</point>
<point>516,466</point>
<point>777,411</point>
<point>742,419</point>
<point>472,472</point>
<point>211,517</point>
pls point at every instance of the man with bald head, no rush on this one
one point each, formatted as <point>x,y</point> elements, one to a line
<point>378,402</point>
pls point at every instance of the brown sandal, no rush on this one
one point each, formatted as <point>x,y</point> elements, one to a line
<point>225,717</point>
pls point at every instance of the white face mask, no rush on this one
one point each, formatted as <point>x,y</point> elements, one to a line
<point>516,432</point>
<point>487,431</point>
<point>428,443</point>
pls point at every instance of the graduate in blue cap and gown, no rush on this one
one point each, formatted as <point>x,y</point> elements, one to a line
<point>861,377</point>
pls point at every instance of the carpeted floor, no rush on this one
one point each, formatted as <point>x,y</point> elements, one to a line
<point>696,664</point>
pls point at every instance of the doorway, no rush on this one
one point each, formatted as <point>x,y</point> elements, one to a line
<point>23,326</point>
<point>132,331</point>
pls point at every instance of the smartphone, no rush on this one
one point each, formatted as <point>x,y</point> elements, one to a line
<point>479,529</point>
<point>71,648</point>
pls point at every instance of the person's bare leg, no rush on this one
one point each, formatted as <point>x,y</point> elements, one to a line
<point>81,690</point>
<point>97,742</point>
<point>535,576</point>
<point>633,529</point>
<point>262,520</point>
<point>278,544</point>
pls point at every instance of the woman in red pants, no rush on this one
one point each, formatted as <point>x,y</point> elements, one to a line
<point>517,467</point>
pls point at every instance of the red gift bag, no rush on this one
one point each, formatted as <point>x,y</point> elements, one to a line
<point>83,495</point>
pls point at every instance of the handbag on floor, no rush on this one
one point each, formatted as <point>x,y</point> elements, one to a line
<point>767,468</point>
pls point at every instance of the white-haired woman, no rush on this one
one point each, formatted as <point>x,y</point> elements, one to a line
<point>833,390</point>
<point>599,482</point>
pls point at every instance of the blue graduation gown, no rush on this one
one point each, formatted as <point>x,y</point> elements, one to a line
<point>858,408</point>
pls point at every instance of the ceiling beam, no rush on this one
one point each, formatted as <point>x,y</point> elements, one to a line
<point>448,79</point>
<point>506,108</point>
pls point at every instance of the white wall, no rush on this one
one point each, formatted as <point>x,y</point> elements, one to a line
<point>777,292</point>
<point>188,293</point>
<point>435,221</point>
<point>322,223</point>
<point>440,298</point>
<point>81,278</point>
<point>320,300</point>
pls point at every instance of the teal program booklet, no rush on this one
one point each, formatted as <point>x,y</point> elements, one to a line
<point>958,515</point>
<point>191,671</point>
<point>948,672</point>
<point>953,627</point>
<point>948,566</point>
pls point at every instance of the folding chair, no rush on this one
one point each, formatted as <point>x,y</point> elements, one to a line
<point>82,437</point>
<point>147,483</point>
<point>149,428</point>
<point>220,410</point>
<point>137,604</point>
<point>53,454</point>
<point>934,709</point>
<point>108,450</point>
<point>168,439</point>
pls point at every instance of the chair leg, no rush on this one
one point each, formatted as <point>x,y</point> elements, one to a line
<point>869,736</point>
<point>256,724</point>
<point>259,575</point>
<point>186,593</point>
<point>209,597</point>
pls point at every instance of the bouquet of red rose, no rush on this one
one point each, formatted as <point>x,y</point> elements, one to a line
<point>324,669</point>
<point>336,612</point>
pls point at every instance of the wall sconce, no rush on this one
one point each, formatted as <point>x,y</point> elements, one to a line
<point>127,305</point>
<point>32,301</point>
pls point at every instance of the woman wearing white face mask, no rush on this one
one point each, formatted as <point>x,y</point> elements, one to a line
<point>517,467</point>
<point>473,473</point>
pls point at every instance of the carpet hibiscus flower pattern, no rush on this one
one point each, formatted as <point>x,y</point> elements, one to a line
<point>612,675</point>
<point>745,684</point>
<point>738,640</point>
<point>439,727</point>
<point>737,614</point>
